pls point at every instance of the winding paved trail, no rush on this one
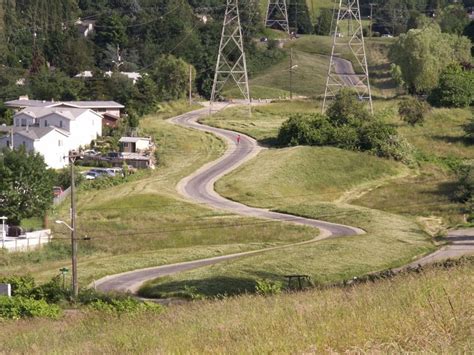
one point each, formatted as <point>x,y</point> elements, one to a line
<point>199,187</point>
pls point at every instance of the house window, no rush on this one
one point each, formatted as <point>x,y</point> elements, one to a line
<point>46,123</point>
<point>60,124</point>
<point>125,145</point>
<point>23,122</point>
<point>60,143</point>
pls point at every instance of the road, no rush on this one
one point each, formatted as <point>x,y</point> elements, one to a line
<point>199,187</point>
<point>345,71</point>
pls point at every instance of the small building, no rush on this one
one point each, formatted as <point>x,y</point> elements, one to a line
<point>85,27</point>
<point>138,161</point>
<point>135,144</point>
<point>110,120</point>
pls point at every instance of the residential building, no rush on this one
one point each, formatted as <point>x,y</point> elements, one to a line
<point>135,144</point>
<point>101,107</point>
<point>51,142</point>
<point>52,131</point>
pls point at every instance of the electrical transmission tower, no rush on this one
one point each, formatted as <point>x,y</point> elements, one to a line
<point>341,73</point>
<point>277,15</point>
<point>231,63</point>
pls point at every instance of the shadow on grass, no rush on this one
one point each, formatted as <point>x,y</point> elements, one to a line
<point>207,287</point>
<point>459,139</point>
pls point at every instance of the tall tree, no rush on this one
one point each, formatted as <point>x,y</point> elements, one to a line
<point>25,185</point>
<point>422,54</point>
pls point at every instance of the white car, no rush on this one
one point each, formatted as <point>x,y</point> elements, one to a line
<point>92,175</point>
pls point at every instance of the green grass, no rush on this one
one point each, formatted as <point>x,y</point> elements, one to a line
<point>417,312</point>
<point>279,177</point>
<point>128,221</point>
<point>265,121</point>
<point>311,54</point>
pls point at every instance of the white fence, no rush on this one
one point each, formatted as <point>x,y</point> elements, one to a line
<point>27,241</point>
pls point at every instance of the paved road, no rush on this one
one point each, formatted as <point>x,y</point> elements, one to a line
<point>345,71</point>
<point>199,187</point>
<point>460,243</point>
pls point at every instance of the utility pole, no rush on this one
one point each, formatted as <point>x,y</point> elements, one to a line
<point>3,230</point>
<point>277,15</point>
<point>75,285</point>
<point>348,9</point>
<point>190,85</point>
<point>231,62</point>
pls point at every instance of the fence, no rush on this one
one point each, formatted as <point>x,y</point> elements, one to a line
<point>57,200</point>
<point>27,242</point>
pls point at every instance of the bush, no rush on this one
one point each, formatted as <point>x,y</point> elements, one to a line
<point>22,307</point>
<point>116,303</point>
<point>347,125</point>
<point>455,88</point>
<point>268,287</point>
<point>413,111</point>
<point>22,286</point>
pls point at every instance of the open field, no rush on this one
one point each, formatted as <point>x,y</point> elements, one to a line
<point>145,222</point>
<point>416,312</point>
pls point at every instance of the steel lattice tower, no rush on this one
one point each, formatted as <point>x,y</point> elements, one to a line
<point>231,63</point>
<point>340,73</point>
<point>277,14</point>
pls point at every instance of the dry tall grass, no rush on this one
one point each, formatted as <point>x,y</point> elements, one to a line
<point>432,311</point>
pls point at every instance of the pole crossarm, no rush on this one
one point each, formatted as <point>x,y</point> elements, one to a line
<point>231,61</point>
<point>277,15</point>
<point>340,72</point>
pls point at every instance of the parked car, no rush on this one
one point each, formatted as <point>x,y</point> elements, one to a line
<point>387,35</point>
<point>114,171</point>
<point>91,153</point>
<point>114,155</point>
<point>57,191</point>
<point>92,175</point>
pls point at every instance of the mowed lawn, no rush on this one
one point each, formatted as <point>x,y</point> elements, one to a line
<point>427,312</point>
<point>145,222</point>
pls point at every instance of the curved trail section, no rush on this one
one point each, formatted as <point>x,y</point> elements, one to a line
<point>199,187</point>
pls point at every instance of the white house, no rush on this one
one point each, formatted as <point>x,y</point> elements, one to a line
<point>53,131</point>
<point>51,142</point>
<point>83,125</point>
<point>134,144</point>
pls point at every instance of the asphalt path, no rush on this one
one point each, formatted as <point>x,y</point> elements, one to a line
<point>346,73</point>
<point>199,187</point>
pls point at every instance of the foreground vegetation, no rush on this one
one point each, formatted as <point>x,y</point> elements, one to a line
<point>417,312</point>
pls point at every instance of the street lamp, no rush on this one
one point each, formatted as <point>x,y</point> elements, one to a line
<point>3,218</point>
<point>67,225</point>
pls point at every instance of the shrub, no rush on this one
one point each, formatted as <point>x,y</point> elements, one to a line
<point>413,111</point>
<point>116,303</point>
<point>347,125</point>
<point>22,286</point>
<point>22,307</point>
<point>268,287</point>
<point>455,88</point>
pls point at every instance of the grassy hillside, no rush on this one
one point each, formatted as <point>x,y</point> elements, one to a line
<point>145,222</point>
<point>311,55</point>
<point>418,312</point>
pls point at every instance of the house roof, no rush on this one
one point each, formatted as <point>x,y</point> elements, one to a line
<point>67,113</point>
<point>35,133</point>
<point>23,103</point>
<point>132,139</point>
